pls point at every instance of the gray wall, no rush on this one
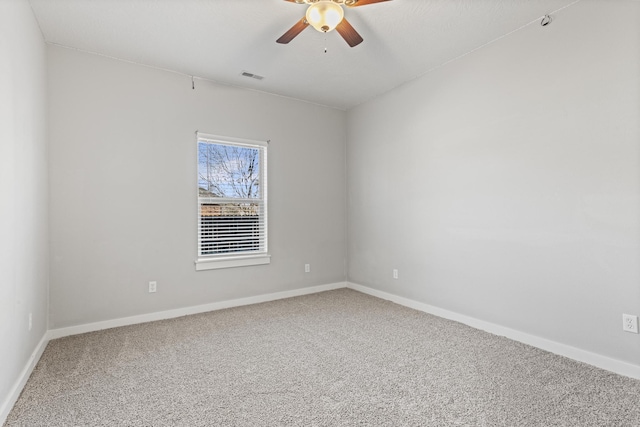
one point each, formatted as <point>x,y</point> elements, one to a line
<point>505,185</point>
<point>23,191</point>
<point>123,189</point>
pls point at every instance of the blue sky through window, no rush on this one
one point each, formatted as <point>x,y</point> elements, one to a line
<point>228,171</point>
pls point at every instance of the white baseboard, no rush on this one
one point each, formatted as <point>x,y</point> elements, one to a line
<point>179,312</point>
<point>11,399</point>
<point>581,355</point>
<point>598,360</point>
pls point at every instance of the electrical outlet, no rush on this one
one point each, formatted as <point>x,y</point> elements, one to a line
<point>630,323</point>
<point>30,321</point>
<point>153,287</point>
<point>395,273</point>
<point>307,268</point>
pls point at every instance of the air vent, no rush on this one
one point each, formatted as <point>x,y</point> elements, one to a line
<point>251,75</point>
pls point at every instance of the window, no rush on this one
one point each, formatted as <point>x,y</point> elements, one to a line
<point>232,202</point>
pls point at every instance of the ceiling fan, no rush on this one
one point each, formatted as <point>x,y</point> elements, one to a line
<point>326,15</point>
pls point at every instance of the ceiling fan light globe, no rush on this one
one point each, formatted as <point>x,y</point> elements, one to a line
<point>324,15</point>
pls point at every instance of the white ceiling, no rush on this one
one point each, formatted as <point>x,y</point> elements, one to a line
<point>218,39</point>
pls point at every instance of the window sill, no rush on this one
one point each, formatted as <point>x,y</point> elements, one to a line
<point>232,261</point>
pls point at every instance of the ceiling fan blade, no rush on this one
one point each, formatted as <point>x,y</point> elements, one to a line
<point>293,31</point>
<point>363,2</point>
<point>348,33</point>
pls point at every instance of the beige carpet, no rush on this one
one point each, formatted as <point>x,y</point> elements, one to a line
<point>338,358</point>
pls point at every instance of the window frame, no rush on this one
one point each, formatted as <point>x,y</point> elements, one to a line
<point>234,259</point>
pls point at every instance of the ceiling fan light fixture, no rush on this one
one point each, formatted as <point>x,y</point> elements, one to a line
<point>324,15</point>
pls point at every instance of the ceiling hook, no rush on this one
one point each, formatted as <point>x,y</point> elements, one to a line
<point>546,20</point>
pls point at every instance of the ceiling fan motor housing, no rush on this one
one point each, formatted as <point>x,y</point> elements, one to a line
<point>345,2</point>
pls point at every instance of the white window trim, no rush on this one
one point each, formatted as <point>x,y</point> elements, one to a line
<point>233,260</point>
